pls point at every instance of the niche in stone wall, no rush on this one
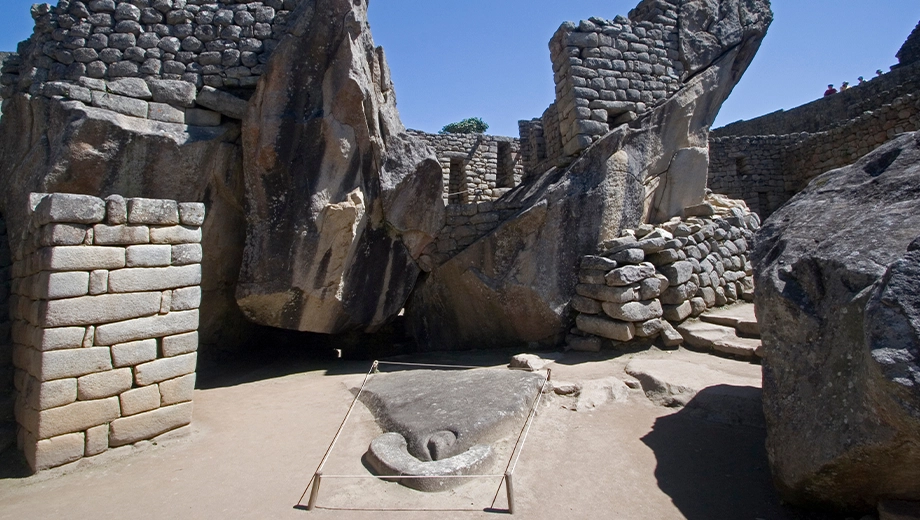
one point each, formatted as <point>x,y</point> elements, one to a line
<point>456,183</point>
<point>741,165</point>
<point>504,177</point>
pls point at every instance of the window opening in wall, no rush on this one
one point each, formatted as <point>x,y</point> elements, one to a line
<point>505,175</point>
<point>741,165</point>
<point>456,184</point>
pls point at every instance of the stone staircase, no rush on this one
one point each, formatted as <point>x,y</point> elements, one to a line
<point>729,331</point>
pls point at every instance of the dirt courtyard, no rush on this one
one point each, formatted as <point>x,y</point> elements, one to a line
<point>259,432</point>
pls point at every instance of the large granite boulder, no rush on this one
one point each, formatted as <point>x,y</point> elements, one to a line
<point>838,300</point>
<point>340,200</point>
<point>514,284</point>
<point>53,145</point>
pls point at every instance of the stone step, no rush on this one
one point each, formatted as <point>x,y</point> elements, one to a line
<point>710,336</point>
<point>740,317</point>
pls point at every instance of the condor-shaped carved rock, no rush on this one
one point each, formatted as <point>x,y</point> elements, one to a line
<point>340,200</point>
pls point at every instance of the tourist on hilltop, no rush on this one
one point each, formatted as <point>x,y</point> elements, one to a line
<point>845,86</point>
<point>830,91</point>
<point>861,80</point>
<point>878,72</point>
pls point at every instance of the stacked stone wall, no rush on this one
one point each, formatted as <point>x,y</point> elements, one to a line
<point>484,173</point>
<point>752,169</point>
<point>826,112</point>
<point>606,72</point>
<point>467,223</point>
<point>7,397</point>
<point>150,58</point>
<point>651,279</point>
<point>845,144</point>
<point>105,308</point>
<point>767,170</point>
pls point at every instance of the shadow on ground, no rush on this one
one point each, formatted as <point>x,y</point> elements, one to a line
<point>707,481</point>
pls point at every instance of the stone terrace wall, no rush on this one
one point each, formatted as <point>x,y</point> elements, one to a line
<point>652,279</point>
<point>142,50</point>
<point>766,171</point>
<point>606,71</point>
<point>477,167</point>
<point>6,68</point>
<point>910,51</point>
<point>844,145</point>
<point>106,297</point>
<point>826,112</point>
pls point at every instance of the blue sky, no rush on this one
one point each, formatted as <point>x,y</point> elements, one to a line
<point>453,59</point>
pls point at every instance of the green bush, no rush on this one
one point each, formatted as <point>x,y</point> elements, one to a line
<point>473,125</point>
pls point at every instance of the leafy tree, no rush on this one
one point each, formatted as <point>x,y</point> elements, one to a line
<point>473,125</point>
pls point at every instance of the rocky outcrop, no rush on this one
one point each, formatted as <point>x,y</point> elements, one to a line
<point>514,284</point>
<point>340,200</point>
<point>837,284</point>
<point>52,145</point>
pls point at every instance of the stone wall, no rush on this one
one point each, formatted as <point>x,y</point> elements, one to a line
<point>767,160</point>
<point>767,170</point>
<point>465,224</point>
<point>606,72</point>
<point>752,169</point>
<point>7,397</point>
<point>105,307</point>
<point>477,167</point>
<point>150,58</point>
<point>643,284</point>
<point>826,112</point>
<point>845,144</point>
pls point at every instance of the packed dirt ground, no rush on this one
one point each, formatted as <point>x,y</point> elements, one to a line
<point>259,432</point>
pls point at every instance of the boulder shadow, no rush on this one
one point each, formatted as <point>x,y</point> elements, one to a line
<point>713,469</point>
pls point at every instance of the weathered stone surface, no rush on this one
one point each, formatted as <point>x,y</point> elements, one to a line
<point>81,258</point>
<point>97,440</point>
<point>49,394</point>
<point>69,208</point>
<point>676,313</point>
<point>68,284</point>
<point>165,368</point>
<point>134,353</point>
<point>447,412</point>
<point>606,328</point>
<point>105,235</point>
<point>73,417</point>
<point>139,400</point>
<point>223,102</point>
<point>633,311</point>
<point>60,338</point>
<point>177,390</point>
<point>105,308</point>
<point>103,384</point>
<point>606,293</point>
<point>185,299</point>
<point>191,213</point>
<point>49,453</point>
<point>630,274</point>
<point>180,344</point>
<point>709,336</point>
<point>148,255</point>
<point>152,211</point>
<point>175,235</point>
<point>151,326</point>
<point>127,430</point>
<point>836,291</point>
<point>513,284</point>
<point>58,364</point>
<point>153,278</point>
<point>341,200</point>
<point>184,254</point>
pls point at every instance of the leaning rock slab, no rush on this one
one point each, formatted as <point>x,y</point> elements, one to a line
<point>341,201</point>
<point>837,285</point>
